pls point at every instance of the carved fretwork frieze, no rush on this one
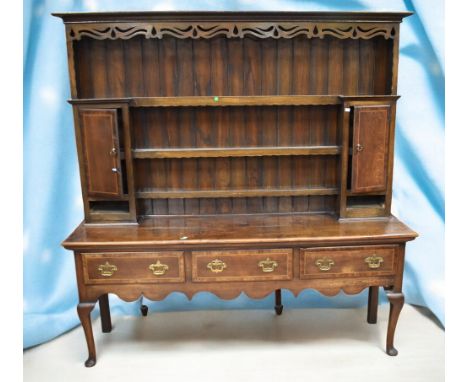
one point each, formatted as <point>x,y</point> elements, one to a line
<point>125,31</point>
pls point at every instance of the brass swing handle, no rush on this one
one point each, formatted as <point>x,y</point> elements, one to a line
<point>324,264</point>
<point>107,270</point>
<point>216,266</point>
<point>158,268</point>
<point>374,261</point>
<point>268,265</point>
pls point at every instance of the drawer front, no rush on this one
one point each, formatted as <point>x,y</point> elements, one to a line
<point>133,267</point>
<point>242,265</point>
<point>347,261</point>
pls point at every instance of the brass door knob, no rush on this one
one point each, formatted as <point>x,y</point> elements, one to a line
<point>359,148</point>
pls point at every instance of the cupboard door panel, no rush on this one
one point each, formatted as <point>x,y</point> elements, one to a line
<point>370,148</point>
<point>99,131</point>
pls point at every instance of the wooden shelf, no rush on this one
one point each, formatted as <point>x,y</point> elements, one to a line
<point>162,153</point>
<point>236,101</point>
<point>265,100</point>
<point>124,198</point>
<point>178,194</point>
<point>279,100</point>
<point>371,193</point>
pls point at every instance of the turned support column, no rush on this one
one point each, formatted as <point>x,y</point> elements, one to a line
<point>104,309</point>
<point>373,304</point>
<point>396,300</point>
<point>84,313</point>
<point>278,304</point>
<point>143,308</point>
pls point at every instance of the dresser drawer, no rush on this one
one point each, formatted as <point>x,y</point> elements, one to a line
<point>347,261</point>
<point>242,265</point>
<point>133,267</point>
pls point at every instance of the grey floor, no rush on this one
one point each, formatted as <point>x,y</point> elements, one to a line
<point>247,345</point>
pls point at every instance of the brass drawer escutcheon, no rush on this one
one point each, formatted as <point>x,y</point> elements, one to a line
<point>324,264</point>
<point>158,268</point>
<point>374,261</point>
<point>216,266</point>
<point>268,265</point>
<point>107,270</point>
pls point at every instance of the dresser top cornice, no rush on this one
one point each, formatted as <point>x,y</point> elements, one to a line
<point>201,16</point>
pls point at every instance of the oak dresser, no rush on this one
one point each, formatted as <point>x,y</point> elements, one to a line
<point>235,152</point>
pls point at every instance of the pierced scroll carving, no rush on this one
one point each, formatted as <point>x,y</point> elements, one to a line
<point>252,291</point>
<point>125,31</point>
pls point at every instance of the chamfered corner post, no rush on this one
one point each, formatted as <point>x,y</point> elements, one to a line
<point>396,300</point>
<point>278,304</point>
<point>373,304</point>
<point>84,313</point>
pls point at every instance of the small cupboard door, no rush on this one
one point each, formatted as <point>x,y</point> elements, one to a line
<point>100,142</point>
<point>370,148</point>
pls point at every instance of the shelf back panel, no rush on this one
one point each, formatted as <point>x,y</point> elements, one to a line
<point>231,174</point>
<point>140,67</point>
<point>218,127</point>
<point>206,206</point>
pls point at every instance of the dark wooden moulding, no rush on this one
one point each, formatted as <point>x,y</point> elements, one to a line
<point>235,152</point>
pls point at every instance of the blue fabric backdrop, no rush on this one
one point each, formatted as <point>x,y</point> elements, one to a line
<point>52,198</point>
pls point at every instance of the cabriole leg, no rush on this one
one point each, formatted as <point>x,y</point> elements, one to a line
<point>373,304</point>
<point>396,300</point>
<point>84,312</point>
<point>278,304</point>
<point>106,322</point>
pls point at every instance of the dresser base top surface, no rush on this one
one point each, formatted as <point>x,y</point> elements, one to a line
<point>259,229</point>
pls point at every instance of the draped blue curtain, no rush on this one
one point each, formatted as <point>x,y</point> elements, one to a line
<point>52,197</point>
